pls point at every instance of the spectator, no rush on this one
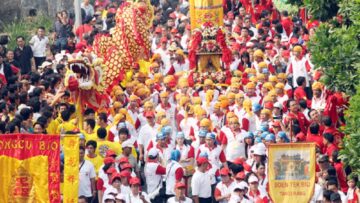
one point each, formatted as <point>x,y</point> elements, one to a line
<point>87,177</point>
<point>39,44</point>
<point>24,55</point>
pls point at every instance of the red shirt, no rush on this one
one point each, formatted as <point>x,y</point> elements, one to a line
<point>330,149</point>
<point>341,176</point>
<point>317,139</point>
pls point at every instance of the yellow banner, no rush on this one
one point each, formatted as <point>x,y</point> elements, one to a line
<point>202,11</point>
<point>71,168</point>
<point>291,172</point>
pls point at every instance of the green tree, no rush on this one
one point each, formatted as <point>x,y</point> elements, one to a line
<point>336,50</point>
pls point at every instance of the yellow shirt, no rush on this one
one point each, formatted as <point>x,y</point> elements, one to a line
<point>107,130</point>
<point>97,161</point>
<point>104,145</point>
<point>91,136</point>
<point>53,125</point>
<point>64,127</point>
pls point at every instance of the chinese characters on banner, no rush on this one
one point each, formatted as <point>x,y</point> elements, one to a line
<point>202,11</point>
<point>30,168</point>
<point>71,168</point>
<point>291,172</point>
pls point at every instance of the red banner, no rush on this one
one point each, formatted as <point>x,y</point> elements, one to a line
<point>30,169</point>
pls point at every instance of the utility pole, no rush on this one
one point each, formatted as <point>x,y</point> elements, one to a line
<point>77,9</point>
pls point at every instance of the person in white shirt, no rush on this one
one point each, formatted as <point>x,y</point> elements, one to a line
<point>179,194</point>
<point>201,182</point>
<point>39,44</point>
<point>136,196</point>
<point>174,173</point>
<point>147,133</point>
<point>153,173</point>
<point>333,185</point>
<point>114,188</point>
<point>89,9</point>
<point>87,176</point>
<point>238,194</point>
<point>223,189</point>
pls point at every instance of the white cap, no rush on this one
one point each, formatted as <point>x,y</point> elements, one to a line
<point>260,149</point>
<point>120,197</point>
<point>127,143</point>
<point>253,179</point>
<point>243,184</point>
<point>153,152</point>
<point>45,63</point>
<point>278,105</point>
<point>240,186</point>
<point>109,197</point>
<point>111,190</point>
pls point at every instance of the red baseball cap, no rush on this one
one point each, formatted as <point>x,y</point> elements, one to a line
<point>239,161</point>
<point>158,30</point>
<point>174,30</point>
<point>111,170</point>
<point>125,174</point>
<point>123,160</point>
<point>110,153</point>
<point>164,39</point>
<point>149,114</point>
<point>201,160</point>
<point>240,175</point>
<point>225,171</point>
<point>134,181</point>
<point>109,160</point>
<point>114,176</point>
<point>269,105</point>
<point>276,124</point>
<point>126,166</point>
<point>180,185</point>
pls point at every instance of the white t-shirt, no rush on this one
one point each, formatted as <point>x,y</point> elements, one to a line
<point>87,172</point>
<point>136,199</point>
<point>201,184</point>
<point>38,46</point>
<point>174,200</point>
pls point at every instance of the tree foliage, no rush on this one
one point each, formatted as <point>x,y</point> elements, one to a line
<point>322,9</point>
<point>336,50</point>
<point>350,153</point>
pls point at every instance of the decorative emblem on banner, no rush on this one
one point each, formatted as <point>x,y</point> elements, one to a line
<point>22,187</point>
<point>202,11</point>
<point>291,172</point>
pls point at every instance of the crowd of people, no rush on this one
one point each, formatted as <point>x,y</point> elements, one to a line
<point>174,134</point>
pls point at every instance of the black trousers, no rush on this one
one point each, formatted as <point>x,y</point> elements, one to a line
<point>39,61</point>
<point>205,200</point>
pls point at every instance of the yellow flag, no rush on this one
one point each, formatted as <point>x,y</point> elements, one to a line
<point>202,11</point>
<point>71,167</point>
<point>291,172</point>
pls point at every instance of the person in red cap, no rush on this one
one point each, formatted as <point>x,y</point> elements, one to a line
<point>163,52</point>
<point>146,133</point>
<point>180,195</point>
<point>136,196</point>
<point>225,187</point>
<point>87,175</point>
<point>125,179</point>
<point>102,185</point>
<point>201,182</point>
<point>115,185</point>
